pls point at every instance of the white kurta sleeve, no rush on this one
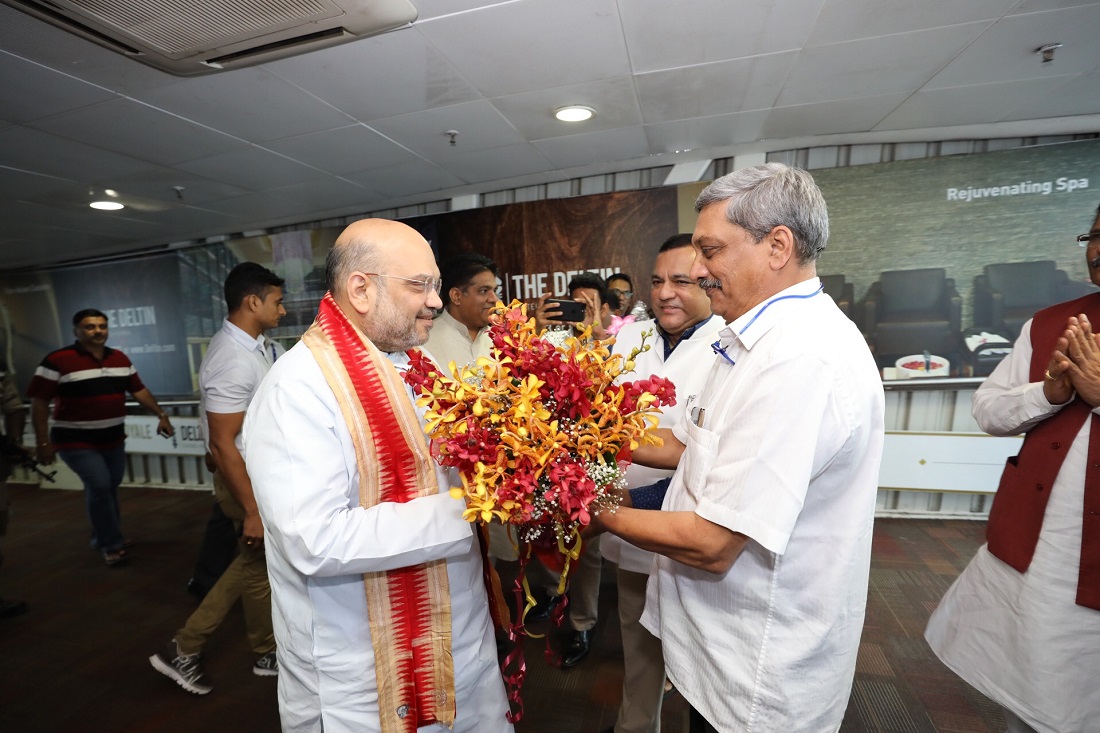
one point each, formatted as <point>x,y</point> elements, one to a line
<point>303,471</point>
<point>1008,403</point>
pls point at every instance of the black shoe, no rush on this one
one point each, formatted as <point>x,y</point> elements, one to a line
<point>541,611</point>
<point>197,589</point>
<point>576,649</point>
<point>12,608</point>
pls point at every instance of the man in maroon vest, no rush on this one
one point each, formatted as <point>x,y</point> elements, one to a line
<point>1022,622</point>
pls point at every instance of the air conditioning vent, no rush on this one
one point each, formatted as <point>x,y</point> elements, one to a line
<point>312,40</point>
<point>189,37</point>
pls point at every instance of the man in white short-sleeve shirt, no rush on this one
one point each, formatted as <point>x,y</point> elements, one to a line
<point>235,363</point>
<point>764,543</point>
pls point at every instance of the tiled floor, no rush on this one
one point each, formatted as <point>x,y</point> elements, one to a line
<point>78,660</point>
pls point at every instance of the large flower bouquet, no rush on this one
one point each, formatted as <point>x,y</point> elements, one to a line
<point>537,431</point>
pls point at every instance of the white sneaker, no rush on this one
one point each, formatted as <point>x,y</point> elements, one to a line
<point>185,669</point>
<point>266,666</point>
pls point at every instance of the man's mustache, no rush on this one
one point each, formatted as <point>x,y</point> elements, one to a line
<point>1094,262</point>
<point>709,284</point>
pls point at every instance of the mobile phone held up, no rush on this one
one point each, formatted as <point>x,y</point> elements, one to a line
<point>572,311</point>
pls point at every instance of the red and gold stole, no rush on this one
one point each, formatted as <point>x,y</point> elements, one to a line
<point>409,608</point>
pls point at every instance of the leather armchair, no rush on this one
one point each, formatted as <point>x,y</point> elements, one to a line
<point>842,293</point>
<point>1007,294</point>
<point>912,311</point>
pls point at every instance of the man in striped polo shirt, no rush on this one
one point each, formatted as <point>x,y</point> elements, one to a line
<point>87,383</point>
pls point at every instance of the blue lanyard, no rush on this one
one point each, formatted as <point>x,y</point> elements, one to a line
<point>717,345</point>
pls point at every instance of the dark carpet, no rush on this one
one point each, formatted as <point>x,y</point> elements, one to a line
<point>78,660</point>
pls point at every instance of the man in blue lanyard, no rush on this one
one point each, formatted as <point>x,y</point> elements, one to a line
<point>764,542</point>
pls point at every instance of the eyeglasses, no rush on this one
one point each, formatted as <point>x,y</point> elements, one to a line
<point>428,283</point>
<point>1090,238</point>
<point>620,293</point>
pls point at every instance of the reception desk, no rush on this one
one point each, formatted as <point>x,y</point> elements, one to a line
<point>936,461</point>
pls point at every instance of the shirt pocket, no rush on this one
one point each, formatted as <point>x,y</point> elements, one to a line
<point>698,459</point>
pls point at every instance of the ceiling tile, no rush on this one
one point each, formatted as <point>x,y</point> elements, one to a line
<point>20,185</point>
<point>1007,50</point>
<point>41,152</point>
<point>44,244</point>
<point>582,37</point>
<point>74,215</point>
<point>159,183</point>
<point>713,89</point>
<point>252,104</point>
<point>828,118</point>
<point>495,164</point>
<point>255,210</point>
<point>31,91</point>
<point>887,65</point>
<point>479,126</point>
<point>622,143</point>
<point>140,131</point>
<point>345,150</point>
<point>397,181</point>
<point>428,9</point>
<point>328,194</point>
<point>848,20</point>
<point>1035,6</point>
<point>381,76</point>
<point>531,113</point>
<point>705,132</point>
<point>185,223</point>
<point>252,168</point>
<point>1077,96</point>
<point>664,35</point>
<point>961,105</point>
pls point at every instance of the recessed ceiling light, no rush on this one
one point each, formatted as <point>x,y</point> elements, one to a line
<point>106,205</point>
<point>574,113</point>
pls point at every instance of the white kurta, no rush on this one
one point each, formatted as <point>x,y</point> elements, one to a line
<point>783,447</point>
<point>450,341</point>
<point>687,366</point>
<point>319,541</point>
<point>1020,638</point>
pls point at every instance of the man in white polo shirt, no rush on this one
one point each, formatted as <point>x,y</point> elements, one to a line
<point>764,538</point>
<point>679,342</point>
<point>236,362</point>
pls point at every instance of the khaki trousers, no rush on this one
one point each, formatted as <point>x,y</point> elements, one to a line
<point>246,579</point>
<point>644,673</point>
